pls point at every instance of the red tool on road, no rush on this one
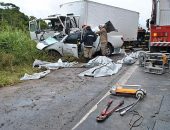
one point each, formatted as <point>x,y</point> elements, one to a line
<point>105,113</point>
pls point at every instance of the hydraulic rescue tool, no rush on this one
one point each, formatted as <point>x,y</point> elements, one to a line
<point>105,113</point>
<point>138,93</point>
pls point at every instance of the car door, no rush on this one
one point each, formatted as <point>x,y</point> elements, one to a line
<point>70,46</point>
<point>96,45</point>
<point>33,27</point>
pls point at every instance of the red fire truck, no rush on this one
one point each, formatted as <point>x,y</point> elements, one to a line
<point>160,26</point>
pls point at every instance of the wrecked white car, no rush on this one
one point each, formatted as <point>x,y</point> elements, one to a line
<point>61,44</point>
<point>63,38</point>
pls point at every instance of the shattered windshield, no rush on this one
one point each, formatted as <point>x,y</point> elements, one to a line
<point>49,41</point>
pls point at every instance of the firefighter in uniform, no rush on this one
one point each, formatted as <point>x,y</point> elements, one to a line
<point>103,39</point>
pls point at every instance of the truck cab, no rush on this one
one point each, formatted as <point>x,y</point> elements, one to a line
<point>55,23</point>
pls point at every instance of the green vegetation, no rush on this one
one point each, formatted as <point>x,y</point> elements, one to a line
<point>11,77</point>
<point>10,15</point>
<point>17,53</point>
<point>17,50</point>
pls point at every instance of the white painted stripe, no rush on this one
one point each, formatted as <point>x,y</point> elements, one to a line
<point>121,81</point>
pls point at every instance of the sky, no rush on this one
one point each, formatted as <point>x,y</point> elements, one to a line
<point>43,8</point>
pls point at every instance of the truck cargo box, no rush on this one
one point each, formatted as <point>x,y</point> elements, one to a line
<point>93,14</point>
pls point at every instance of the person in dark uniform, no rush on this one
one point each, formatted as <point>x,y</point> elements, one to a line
<point>88,39</point>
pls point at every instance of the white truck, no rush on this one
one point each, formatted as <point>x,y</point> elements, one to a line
<point>72,16</point>
<point>93,14</point>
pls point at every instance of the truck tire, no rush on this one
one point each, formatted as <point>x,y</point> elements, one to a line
<point>54,53</point>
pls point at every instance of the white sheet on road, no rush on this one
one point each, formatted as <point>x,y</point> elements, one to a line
<point>100,60</point>
<point>129,59</point>
<point>35,75</point>
<point>51,66</point>
<point>102,66</point>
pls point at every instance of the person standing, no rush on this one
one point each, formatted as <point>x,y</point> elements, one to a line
<point>88,39</point>
<point>103,39</point>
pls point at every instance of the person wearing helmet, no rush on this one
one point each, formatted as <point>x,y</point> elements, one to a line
<point>88,39</point>
<point>103,39</point>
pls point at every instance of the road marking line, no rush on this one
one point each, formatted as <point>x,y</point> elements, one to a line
<point>122,81</point>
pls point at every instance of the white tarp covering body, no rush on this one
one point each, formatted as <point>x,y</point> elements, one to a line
<point>102,66</point>
<point>35,75</point>
<point>129,59</point>
<point>51,66</point>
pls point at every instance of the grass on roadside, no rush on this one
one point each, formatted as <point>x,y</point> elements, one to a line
<point>17,53</point>
<point>8,77</point>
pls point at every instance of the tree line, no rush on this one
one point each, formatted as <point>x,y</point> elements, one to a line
<point>10,15</point>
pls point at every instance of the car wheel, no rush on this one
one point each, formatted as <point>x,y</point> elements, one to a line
<point>54,53</point>
<point>109,50</point>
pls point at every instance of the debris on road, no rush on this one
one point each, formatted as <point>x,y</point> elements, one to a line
<point>156,63</point>
<point>52,66</point>
<point>47,65</point>
<point>141,58</point>
<point>35,75</point>
<point>38,63</point>
<point>102,66</point>
<point>129,59</point>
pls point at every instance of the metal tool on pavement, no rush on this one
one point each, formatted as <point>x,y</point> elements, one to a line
<point>105,113</point>
<point>127,90</point>
<point>138,93</point>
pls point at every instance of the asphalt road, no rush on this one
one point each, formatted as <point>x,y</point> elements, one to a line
<point>56,102</point>
<point>62,99</point>
<point>154,108</point>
